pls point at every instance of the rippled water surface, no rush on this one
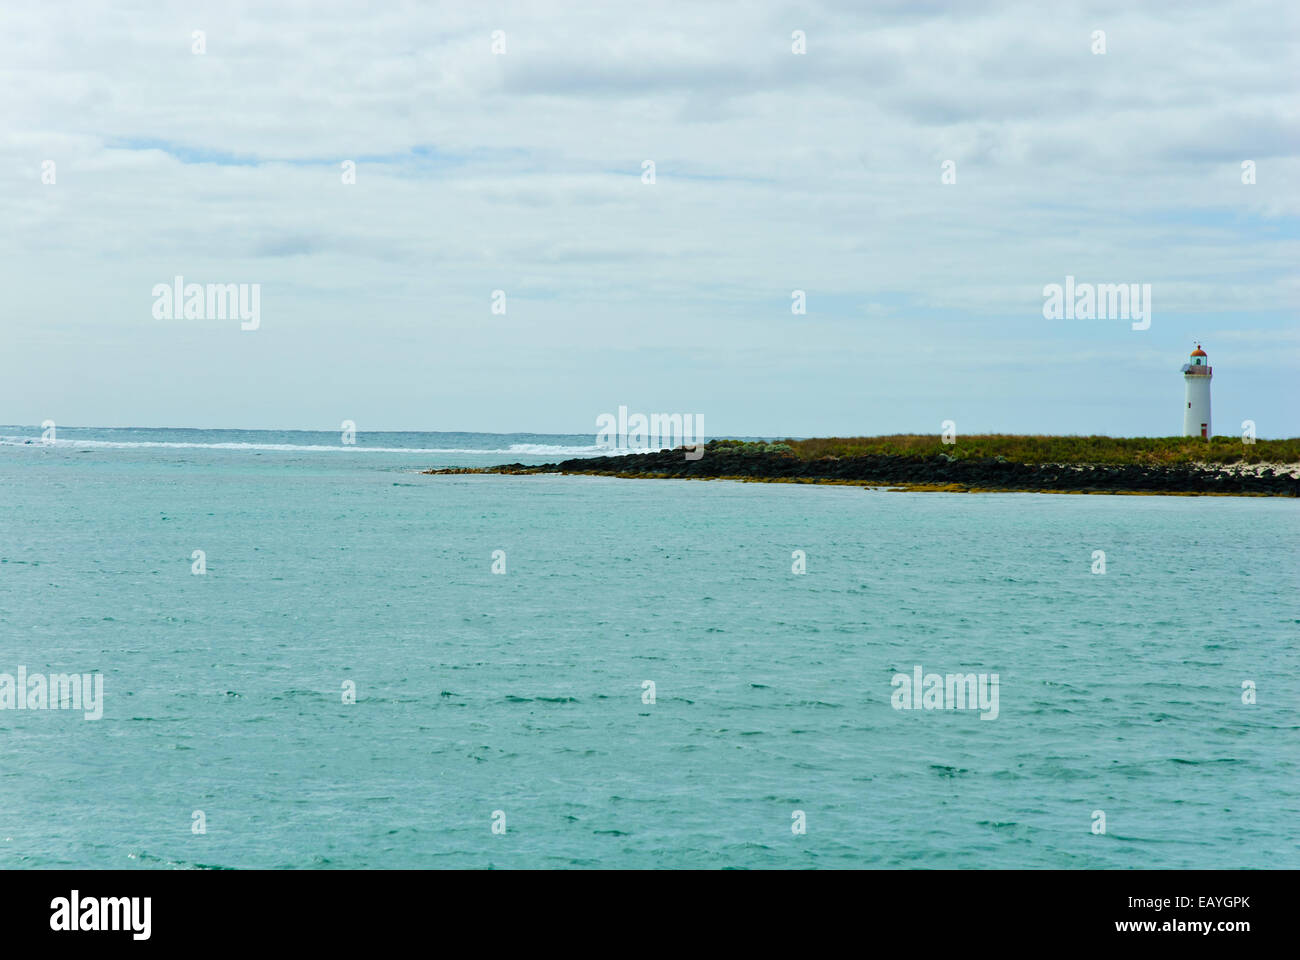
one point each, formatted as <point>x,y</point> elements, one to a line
<point>523,692</point>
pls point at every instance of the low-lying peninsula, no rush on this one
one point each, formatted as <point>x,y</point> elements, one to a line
<point>973,464</point>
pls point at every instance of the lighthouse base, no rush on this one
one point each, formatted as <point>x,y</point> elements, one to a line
<point>1196,409</point>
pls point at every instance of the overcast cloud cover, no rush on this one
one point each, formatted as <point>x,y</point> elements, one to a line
<point>774,172</point>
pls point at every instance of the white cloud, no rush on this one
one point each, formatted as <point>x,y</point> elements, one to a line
<point>522,172</point>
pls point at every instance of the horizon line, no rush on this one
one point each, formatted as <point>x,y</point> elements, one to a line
<point>551,433</point>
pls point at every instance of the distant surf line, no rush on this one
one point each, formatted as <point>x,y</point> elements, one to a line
<point>528,449</point>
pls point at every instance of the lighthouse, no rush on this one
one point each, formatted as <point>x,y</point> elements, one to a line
<point>1196,414</point>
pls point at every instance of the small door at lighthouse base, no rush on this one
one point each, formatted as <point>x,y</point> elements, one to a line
<point>1203,426</point>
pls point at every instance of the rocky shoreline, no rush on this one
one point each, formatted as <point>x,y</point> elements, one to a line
<point>931,473</point>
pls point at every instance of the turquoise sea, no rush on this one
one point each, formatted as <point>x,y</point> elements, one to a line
<point>519,698</point>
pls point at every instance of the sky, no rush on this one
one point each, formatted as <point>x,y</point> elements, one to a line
<point>522,169</point>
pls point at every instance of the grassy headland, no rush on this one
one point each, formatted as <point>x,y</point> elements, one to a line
<point>974,463</point>
<point>1151,451</point>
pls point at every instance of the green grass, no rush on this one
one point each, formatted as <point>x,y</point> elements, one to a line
<point>1052,449</point>
<point>751,447</point>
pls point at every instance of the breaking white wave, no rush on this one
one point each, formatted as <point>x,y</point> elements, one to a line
<point>543,450</point>
<point>517,449</point>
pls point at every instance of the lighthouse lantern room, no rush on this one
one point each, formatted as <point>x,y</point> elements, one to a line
<point>1196,413</point>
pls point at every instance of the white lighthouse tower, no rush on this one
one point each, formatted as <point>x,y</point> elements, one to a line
<point>1196,415</point>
